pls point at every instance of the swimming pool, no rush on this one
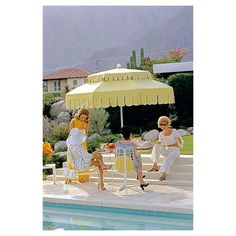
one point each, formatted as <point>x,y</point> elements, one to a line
<point>60,216</point>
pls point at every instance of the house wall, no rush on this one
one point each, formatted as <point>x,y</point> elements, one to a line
<point>64,83</point>
<point>51,86</point>
<point>80,81</point>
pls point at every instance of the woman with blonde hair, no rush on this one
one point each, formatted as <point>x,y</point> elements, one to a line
<point>167,146</point>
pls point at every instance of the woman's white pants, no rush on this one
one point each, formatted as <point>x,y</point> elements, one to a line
<point>170,154</point>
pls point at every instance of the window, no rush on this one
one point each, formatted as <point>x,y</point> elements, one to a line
<point>57,85</point>
<point>74,82</point>
<point>45,86</point>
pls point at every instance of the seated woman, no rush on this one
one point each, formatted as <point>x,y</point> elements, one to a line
<point>125,143</point>
<point>83,159</point>
<point>167,146</point>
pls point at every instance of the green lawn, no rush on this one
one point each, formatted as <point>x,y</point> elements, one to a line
<point>188,145</point>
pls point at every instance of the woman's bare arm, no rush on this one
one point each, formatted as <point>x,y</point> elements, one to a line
<point>72,124</point>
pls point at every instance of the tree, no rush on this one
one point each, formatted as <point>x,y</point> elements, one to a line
<point>182,110</point>
<point>146,64</point>
<point>139,118</point>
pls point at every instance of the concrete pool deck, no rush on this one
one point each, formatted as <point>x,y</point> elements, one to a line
<point>155,197</point>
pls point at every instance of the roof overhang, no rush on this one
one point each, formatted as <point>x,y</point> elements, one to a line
<point>173,67</point>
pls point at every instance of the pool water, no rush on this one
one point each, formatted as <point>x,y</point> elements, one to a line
<point>60,216</point>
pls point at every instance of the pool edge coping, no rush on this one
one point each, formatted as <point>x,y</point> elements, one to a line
<point>117,205</point>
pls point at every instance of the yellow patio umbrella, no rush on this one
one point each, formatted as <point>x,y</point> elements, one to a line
<point>119,87</point>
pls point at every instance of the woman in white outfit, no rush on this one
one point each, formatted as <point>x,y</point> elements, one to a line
<point>167,146</point>
<point>81,158</point>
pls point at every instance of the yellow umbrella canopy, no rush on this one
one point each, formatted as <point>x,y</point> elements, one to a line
<point>119,87</point>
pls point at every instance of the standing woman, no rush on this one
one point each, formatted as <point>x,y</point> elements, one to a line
<point>81,121</point>
<point>167,146</point>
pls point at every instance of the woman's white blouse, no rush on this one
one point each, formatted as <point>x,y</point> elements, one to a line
<point>170,139</point>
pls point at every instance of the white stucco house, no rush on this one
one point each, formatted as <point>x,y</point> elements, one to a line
<point>62,80</point>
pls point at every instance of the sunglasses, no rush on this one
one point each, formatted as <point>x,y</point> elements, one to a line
<point>163,124</point>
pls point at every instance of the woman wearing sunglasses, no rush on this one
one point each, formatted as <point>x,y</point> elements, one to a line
<point>167,146</point>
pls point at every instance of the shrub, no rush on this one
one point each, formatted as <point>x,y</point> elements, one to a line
<point>47,128</point>
<point>59,133</point>
<point>48,100</point>
<point>98,120</point>
<point>58,159</point>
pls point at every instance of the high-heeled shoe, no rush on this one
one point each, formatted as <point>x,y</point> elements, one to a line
<point>143,176</point>
<point>143,185</point>
<point>154,168</point>
<point>101,187</point>
<point>162,177</point>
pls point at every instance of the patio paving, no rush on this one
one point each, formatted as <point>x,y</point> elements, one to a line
<point>155,197</point>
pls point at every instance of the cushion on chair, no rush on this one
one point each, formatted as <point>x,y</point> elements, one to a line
<point>84,175</point>
<point>83,178</point>
<point>119,164</point>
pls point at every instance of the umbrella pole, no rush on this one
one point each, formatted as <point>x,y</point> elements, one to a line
<point>121,117</point>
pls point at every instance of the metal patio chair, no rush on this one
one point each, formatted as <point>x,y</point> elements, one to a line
<point>124,165</point>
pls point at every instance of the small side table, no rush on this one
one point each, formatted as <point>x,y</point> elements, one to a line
<point>53,167</point>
